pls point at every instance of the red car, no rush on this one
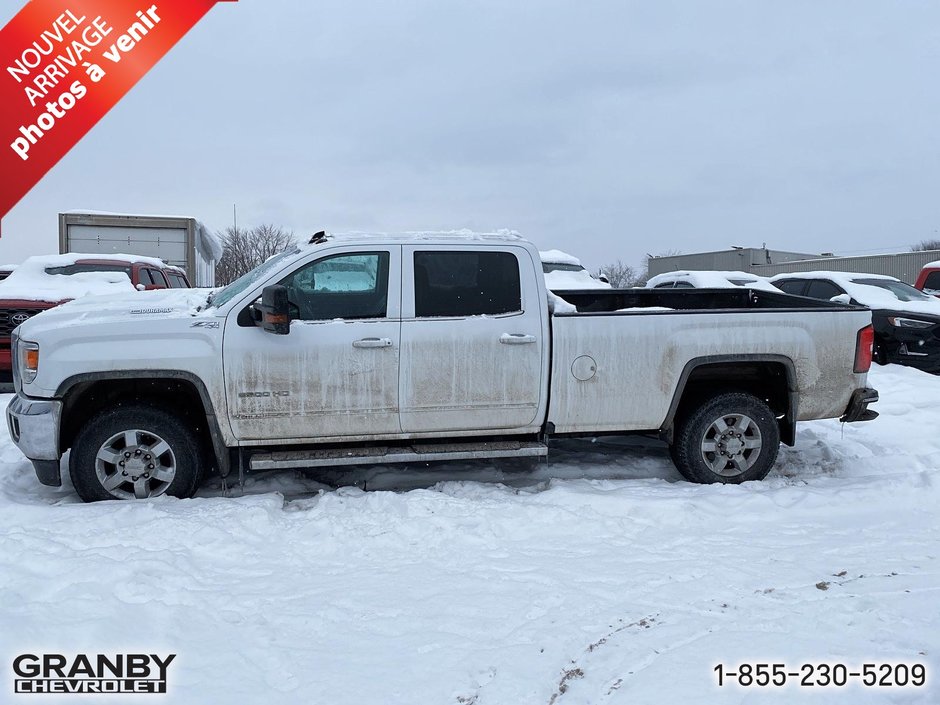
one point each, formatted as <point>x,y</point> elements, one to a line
<point>43,282</point>
<point>928,280</point>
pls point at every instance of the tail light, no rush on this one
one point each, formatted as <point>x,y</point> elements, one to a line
<point>864,348</point>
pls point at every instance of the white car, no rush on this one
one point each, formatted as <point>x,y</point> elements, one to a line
<point>906,320</point>
<point>565,272</point>
<point>683,279</point>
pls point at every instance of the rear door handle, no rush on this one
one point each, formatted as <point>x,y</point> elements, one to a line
<point>517,339</point>
<point>373,343</point>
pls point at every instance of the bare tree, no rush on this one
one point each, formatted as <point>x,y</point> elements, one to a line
<point>244,249</point>
<point>621,275</point>
<point>926,245</point>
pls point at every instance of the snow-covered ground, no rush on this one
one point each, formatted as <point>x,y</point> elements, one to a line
<point>599,578</point>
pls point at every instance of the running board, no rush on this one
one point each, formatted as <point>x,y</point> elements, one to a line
<point>419,453</point>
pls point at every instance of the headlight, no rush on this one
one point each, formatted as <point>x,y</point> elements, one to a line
<point>28,359</point>
<point>908,322</point>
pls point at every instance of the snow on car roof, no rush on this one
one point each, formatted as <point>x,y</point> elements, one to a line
<point>713,279</point>
<point>30,281</point>
<point>932,264</point>
<point>582,279</point>
<point>559,257</point>
<point>867,294</point>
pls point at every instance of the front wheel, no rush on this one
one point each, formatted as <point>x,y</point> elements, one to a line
<point>134,452</point>
<point>731,438</point>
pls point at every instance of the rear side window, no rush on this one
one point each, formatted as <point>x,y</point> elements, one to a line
<point>820,289</point>
<point>466,284</point>
<point>177,281</point>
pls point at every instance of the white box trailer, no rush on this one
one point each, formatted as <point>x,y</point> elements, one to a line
<point>177,240</point>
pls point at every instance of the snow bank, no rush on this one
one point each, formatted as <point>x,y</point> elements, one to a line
<point>600,574</point>
<point>30,281</point>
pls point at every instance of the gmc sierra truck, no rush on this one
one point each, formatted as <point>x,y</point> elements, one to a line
<point>355,350</point>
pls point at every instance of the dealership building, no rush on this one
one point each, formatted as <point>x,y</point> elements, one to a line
<point>764,262</point>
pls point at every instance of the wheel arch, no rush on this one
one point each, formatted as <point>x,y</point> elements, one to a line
<point>89,393</point>
<point>769,377</point>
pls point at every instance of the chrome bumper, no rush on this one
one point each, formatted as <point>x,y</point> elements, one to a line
<point>34,426</point>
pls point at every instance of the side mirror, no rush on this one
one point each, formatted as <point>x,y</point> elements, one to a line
<point>141,287</point>
<point>603,278</point>
<point>275,309</point>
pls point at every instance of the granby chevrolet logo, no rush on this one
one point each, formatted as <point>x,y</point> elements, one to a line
<point>100,674</point>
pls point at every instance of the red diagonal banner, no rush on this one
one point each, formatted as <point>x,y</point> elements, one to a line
<point>64,64</point>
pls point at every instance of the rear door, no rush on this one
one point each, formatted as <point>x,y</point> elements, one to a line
<point>473,339</point>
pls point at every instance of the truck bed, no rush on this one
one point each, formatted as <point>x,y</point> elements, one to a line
<point>618,361</point>
<point>606,301</point>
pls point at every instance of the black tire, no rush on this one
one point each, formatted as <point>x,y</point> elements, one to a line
<point>173,468</point>
<point>745,450</point>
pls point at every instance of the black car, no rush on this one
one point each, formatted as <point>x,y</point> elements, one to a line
<point>906,321</point>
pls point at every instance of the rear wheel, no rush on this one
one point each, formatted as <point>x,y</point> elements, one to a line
<point>135,452</point>
<point>731,438</point>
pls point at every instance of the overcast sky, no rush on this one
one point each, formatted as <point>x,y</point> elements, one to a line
<point>608,129</point>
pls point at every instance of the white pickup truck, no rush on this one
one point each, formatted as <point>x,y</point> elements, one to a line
<point>356,349</point>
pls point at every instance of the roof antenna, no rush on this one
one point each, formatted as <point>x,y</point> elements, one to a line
<point>318,238</point>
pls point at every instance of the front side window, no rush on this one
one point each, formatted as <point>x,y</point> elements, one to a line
<point>791,286</point>
<point>343,286</point>
<point>821,289</point>
<point>466,284</point>
<point>157,277</point>
<point>177,281</point>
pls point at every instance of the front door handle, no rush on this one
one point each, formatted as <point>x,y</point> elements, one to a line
<point>517,339</point>
<point>373,343</point>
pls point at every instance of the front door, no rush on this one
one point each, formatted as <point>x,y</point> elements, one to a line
<point>335,375</point>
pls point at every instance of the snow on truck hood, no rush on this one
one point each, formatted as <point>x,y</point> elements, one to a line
<point>165,303</point>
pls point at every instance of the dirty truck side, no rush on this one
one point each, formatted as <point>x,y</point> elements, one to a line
<point>355,350</point>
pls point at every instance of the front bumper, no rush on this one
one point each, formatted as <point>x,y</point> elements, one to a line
<point>34,426</point>
<point>858,406</point>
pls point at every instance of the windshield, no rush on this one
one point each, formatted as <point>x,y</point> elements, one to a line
<point>69,269</point>
<point>904,292</point>
<point>561,267</point>
<point>245,281</point>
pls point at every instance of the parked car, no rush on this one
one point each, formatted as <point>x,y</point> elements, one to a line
<point>449,353</point>
<point>43,282</point>
<point>928,280</point>
<point>565,272</point>
<point>906,320</point>
<point>685,279</point>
